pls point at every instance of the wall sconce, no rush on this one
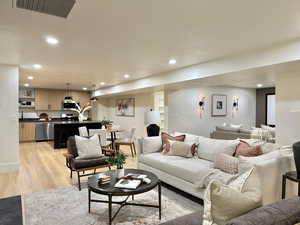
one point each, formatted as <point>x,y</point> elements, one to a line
<point>235,105</point>
<point>201,106</point>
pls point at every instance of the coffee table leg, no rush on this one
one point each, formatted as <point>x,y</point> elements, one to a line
<point>109,208</point>
<point>89,200</point>
<point>159,199</point>
<point>283,186</point>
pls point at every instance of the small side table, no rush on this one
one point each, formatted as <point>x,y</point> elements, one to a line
<point>292,175</point>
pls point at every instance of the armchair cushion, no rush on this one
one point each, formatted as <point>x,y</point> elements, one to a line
<point>86,163</point>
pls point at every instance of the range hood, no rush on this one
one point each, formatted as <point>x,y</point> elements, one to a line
<point>60,8</point>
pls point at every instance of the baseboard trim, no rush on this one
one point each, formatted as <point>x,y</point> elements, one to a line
<point>9,167</point>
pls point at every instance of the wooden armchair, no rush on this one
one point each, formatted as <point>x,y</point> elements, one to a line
<point>82,165</point>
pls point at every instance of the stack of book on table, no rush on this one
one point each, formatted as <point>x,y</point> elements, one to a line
<point>130,181</point>
<point>103,179</point>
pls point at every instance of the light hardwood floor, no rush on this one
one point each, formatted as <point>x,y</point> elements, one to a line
<point>41,168</point>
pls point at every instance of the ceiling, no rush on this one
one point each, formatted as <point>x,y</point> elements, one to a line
<point>101,40</point>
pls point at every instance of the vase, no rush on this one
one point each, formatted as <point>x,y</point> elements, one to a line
<point>120,173</point>
<point>296,150</point>
<point>80,117</point>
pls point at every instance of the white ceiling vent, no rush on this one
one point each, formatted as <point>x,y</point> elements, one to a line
<point>60,8</point>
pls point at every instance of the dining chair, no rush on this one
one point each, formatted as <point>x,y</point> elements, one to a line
<point>129,141</point>
<point>106,145</point>
<point>83,132</point>
<point>115,127</point>
<point>92,132</point>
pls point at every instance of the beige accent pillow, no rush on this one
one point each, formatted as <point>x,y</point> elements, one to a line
<point>226,163</point>
<point>178,148</point>
<point>88,148</point>
<point>225,202</point>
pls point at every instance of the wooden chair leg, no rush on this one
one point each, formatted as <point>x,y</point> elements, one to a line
<point>78,176</point>
<point>71,173</point>
<point>95,171</point>
<point>131,149</point>
<point>134,148</point>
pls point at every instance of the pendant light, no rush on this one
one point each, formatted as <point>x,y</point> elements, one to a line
<point>94,98</point>
<point>68,96</point>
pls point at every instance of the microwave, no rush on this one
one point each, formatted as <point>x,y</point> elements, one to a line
<point>69,104</point>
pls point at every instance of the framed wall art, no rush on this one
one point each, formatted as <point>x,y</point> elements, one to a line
<point>219,105</point>
<point>125,107</point>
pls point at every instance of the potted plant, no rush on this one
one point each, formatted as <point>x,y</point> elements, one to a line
<point>118,160</point>
<point>107,123</point>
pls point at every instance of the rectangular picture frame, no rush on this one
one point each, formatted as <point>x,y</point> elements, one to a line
<point>219,105</point>
<point>125,107</point>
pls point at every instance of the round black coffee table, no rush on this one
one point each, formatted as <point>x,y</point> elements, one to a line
<point>109,190</point>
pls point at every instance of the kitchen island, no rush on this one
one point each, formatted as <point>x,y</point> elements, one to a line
<point>64,130</point>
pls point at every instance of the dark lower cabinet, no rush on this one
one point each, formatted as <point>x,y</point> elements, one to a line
<point>62,131</point>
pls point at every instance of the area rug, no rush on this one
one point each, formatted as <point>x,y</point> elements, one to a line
<point>68,206</point>
<point>11,211</point>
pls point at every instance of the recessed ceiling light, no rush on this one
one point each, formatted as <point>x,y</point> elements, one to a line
<point>126,76</point>
<point>102,83</point>
<point>26,85</point>
<point>37,66</point>
<point>30,77</point>
<point>84,88</point>
<point>259,85</point>
<point>172,61</point>
<point>52,40</point>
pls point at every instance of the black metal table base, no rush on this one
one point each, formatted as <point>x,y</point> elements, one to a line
<point>123,203</point>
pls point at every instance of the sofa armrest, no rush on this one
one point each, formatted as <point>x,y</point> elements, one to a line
<point>285,212</point>
<point>270,174</point>
<point>140,146</point>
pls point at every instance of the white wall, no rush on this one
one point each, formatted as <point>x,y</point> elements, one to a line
<point>143,102</point>
<point>9,131</point>
<point>183,109</point>
<point>287,101</point>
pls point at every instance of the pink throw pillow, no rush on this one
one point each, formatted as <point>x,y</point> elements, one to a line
<point>244,149</point>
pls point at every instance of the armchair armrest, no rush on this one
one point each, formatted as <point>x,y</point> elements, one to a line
<point>68,156</point>
<point>284,212</point>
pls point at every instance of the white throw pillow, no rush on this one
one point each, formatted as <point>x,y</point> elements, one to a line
<point>224,202</point>
<point>189,138</point>
<point>151,144</point>
<point>88,147</point>
<point>208,148</point>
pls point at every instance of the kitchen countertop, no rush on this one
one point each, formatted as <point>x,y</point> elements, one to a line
<point>56,121</point>
<point>76,122</point>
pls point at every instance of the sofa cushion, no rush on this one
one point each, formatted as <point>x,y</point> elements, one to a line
<point>208,147</point>
<point>165,141</point>
<point>86,163</point>
<point>187,169</point>
<point>227,129</point>
<point>151,144</point>
<point>284,212</point>
<point>190,219</point>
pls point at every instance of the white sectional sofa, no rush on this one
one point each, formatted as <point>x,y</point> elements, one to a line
<point>182,173</point>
